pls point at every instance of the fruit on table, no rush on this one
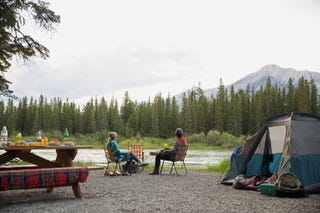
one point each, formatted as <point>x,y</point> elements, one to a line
<point>34,143</point>
<point>18,143</point>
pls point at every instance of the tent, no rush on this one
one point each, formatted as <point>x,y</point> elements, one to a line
<point>284,143</point>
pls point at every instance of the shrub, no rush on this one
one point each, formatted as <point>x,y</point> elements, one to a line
<point>227,140</point>
<point>223,166</point>
<point>213,137</point>
<point>197,138</point>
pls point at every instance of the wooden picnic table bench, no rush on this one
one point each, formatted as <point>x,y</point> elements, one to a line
<point>44,178</point>
<point>43,173</point>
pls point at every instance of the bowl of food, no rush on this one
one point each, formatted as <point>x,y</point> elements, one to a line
<point>55,142</point>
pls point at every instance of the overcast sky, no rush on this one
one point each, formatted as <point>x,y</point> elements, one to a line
<point>104,48</point>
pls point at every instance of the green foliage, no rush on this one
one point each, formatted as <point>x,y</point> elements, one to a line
<point>207,122</point>
<point>222,167</point>
<point>213,137</point>
<point>227,140</point>
<point>197,138</point>
<point>14,42</point>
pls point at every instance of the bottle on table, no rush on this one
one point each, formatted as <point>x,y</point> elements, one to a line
<point>39,137</point>
<point>45,141</point>
<point>4,136</point>
<point>18,137</point>
<point>66,135</point>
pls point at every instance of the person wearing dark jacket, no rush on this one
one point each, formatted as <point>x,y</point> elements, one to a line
<point>168,154</point>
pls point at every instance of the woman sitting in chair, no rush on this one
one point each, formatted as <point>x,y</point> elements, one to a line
<point>168,154</point>
<point>125,155</point>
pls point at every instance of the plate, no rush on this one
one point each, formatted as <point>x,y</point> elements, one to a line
<point>54,144</point>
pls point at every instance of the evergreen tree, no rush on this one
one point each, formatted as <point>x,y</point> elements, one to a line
<point>38,125</point>
<point>22,115</point>
<point>313,98</point>
<point>76,118</point>
<point>185,115</point>
<point>126,110</point>
<point>2,114</point>
<point>211,112</point>
<point>66,117</point>
<point>14,42</point>
<point>174,116</point>
<point>10,116</point>
<point>259,106</point>
<point>31,113</point>
<point>302,96</point>
<point>114,120</point>
<point>268,99</point>
<point>88,121</point>
<point>167,119</point>
<point>158,116</point>
<point>290,100</point>
<point>202,112</point>
<point>102,113</point>
<point>253,115</point>
<point>220,107</point>
<point>56,114</point>
<point>47,116</point>
<point>235,115</point>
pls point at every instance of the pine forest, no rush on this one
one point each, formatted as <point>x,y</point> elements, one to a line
<point>234,112</point>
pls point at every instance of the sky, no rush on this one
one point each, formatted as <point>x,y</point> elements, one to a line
<point>103,48</point>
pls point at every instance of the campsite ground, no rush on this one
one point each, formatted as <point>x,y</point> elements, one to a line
<point>195,192</point>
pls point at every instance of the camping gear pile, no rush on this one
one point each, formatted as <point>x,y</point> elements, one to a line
<point>284,154</point>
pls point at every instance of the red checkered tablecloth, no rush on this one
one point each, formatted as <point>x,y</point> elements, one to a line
<point>42,177</point>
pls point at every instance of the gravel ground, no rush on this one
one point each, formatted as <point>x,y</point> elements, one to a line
<point>195,192</point>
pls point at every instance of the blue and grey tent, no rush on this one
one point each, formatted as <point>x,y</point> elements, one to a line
<point>284,143</point>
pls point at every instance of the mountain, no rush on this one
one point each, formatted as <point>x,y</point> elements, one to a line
<point>276,74</point>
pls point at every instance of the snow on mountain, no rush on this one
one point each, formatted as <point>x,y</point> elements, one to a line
<point>276,74</point>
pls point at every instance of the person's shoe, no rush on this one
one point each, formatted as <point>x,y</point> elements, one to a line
<point>154,172</point>
<point>124,173</point>
<point>143,164</point>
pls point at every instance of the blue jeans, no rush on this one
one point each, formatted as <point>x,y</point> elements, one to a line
<point>129,159</point>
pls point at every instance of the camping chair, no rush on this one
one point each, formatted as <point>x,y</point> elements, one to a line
<point>111,157</point>
<point>179,156</point>
<point>138,151</point>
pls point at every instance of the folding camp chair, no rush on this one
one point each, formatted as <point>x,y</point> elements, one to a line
<point>138,152</point>
<point>179,156</point>
<point>112,158</point>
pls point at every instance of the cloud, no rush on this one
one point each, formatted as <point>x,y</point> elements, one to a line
<point>99,74</point>
<point>107,47</point>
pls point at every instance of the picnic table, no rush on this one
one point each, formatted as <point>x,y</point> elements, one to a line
<point>64,158</point>
<point>45,173</point>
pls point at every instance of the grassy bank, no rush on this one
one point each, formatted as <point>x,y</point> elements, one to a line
<point>214,140</point>
<point>154,143</point>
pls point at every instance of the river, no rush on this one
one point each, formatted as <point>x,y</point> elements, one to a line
<point>194,158</point>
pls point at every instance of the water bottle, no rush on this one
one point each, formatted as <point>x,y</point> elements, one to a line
<point>4,136</point>
<point>39,137</point>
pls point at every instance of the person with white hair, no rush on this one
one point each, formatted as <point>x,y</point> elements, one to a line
<point>123,155</point>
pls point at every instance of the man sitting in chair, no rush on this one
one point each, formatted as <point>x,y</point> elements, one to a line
<point>125,155</point>
<point>168,154</point>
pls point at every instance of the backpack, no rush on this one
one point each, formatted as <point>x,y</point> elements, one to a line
<point>288,185</point>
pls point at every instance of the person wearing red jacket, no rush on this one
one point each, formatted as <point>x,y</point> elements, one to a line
<point>168,154</point>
